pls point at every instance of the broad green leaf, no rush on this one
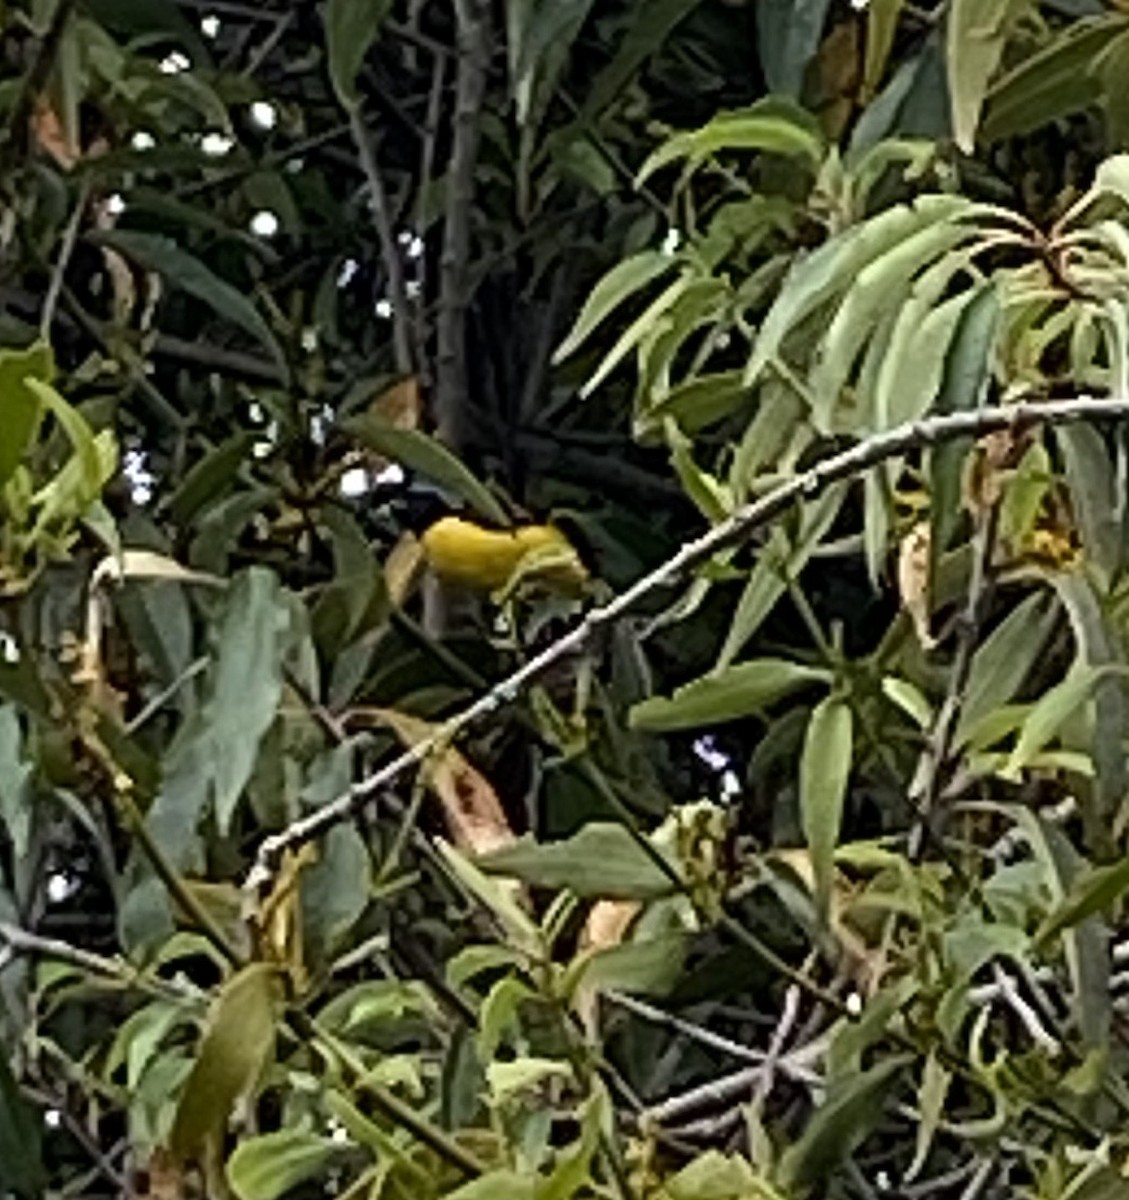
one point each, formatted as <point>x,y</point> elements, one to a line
<point>351,27</point>
<point>825,768</point>
<point>621,283</point>
<point>1004,660</point>
<point>788,35</point>
<point>1094,892</point>
<point>717,1176</point>
<point>21,1161</point>
<point>881,26</point>
<point>1049,714</point>
<point>1056,81</point>
<point>252,636</point>
<point>767,126</point>
<point>698,403</point>
<point>336,889</point>
<point>21,405</point>
<point>430,458</point>
<point>909,698</point>
<point>650,967</point>
<point>498,1185</point>
<point>233,1054</point>
<point>840,1124</point>
<point>817,278</point>
<point>521,1074</point>
<point>80,482</point>
<point>184,271</point>
<point>778,562</point>
<point>728,695</point>
<point>977,33</point>
<point>267,1166</point>
<point>1093,491</point>
<point>208,479</point>
<point>601,860</point>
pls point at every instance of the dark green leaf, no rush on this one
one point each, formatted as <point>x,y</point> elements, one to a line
<point>788,35</point>
<point>351,27</point>
<point>186,272</point>
<point>602,860</point>
<point>21,1162</point>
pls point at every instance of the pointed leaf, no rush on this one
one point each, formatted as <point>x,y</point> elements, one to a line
<point>825,768</point>
<point>351,27</point>
<point>21,405</point>
<point>729,695</point>
<point>186,272</point>
<point>269,1165</point>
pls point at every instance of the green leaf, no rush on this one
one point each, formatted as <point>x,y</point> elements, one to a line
<point>650,967</point>
<point>252,636</point>
<point>1004,660</point>
<point>767,126</point>
<point>977,33</point>
<point>498,1185</point>
<point>778,562</point>
<point>15,782</point>
<point>356,599</point>
<point>208,478</point>
<point>788,36</point>
<point>1060,79</point>
<point>817,278</point>
<point>622,282</point>
<point>351,27</point>
<point>931,1096</point>
<point>881,26</point>
<point>1050,713</point>
<point>22,406</point>
<point>430,458</point>
<point>717,1176</point>
<point>1094,892</point>
<point>269,1165</point>
<point>601,860</point>
<point>699,403</point>
<point>824,771</point>
<point>186,272</point>
<point>840,1124</point>
<point>1093,491</point>
<point>878,287</point>
<point>234,1053</point>
<point>21,1161</point>
<point>335,890</point>
<point>728,695</point>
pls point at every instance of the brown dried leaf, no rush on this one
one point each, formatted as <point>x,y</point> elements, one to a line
<point>475,816</point>
<point>51,136</point>
<point>913,580</point>
<point>403,568</point>
<point>608,923</point>
<point>401,405</point>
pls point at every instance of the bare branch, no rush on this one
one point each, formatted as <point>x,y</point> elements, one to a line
<point>474,59</point>
<point>845,465</point>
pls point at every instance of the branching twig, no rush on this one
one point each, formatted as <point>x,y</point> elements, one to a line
<point>474,57</point>
<point>848,464</point>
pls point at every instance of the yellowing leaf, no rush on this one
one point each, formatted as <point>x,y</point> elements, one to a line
<point>234,1052</point>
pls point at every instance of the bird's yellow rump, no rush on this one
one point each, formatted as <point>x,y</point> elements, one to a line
<point>487,560</point>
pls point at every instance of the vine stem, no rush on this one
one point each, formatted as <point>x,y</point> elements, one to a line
<point>845,465</point>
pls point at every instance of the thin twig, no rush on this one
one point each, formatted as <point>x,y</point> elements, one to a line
<point>935,767</point>
<point>845,465</point>
<point>382,222</point>
<point>426,171</point>
<point>66,250</point>
<point>475,44</point>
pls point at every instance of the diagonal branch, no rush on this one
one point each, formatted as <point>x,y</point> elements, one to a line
<point>846,465</point>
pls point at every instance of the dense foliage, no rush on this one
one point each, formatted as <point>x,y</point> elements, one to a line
<point>799,872</point>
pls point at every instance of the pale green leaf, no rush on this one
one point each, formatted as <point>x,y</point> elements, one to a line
<point>268,1165</point>
<point>881,26</point>
<point>977,33</point>
<point>21,405</point>
<point>825,768</point>
<point>728,695</point>
<point>621,283</point>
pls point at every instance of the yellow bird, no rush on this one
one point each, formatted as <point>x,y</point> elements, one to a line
<point>487,560</point>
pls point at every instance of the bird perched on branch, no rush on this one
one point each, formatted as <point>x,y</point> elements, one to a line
<point>498,560</point>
